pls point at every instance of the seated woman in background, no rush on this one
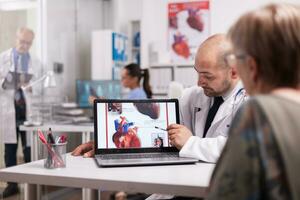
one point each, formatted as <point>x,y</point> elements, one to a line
<point>131,76</point>
<point>261,158</point>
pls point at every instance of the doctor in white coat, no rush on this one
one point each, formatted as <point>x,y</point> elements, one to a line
<point>216,79</point>
<point>14,59</point>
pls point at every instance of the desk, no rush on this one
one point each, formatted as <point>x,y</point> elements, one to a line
<point>185,180</point>
<point>86,130</point>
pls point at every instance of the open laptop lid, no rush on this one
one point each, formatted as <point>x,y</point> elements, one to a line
<point>133,126</point>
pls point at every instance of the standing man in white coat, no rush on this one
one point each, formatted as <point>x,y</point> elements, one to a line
<point>12,99</point>
<point>206,110</point>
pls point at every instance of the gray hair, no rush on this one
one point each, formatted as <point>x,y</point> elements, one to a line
<point>270,35</point>
<point>24,30</point>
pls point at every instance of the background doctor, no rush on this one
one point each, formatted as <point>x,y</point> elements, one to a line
<point>206,110</point>
<point>12,101</point>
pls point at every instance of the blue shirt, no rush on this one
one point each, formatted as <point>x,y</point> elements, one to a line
<point>137,93</point>
<point>24,61</point>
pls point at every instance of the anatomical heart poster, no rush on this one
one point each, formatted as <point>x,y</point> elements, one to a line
<point>188,27</point>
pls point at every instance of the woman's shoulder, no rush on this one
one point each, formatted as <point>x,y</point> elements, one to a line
<point>137,93</point>
<point>253,115</point>
<point>249,117</point>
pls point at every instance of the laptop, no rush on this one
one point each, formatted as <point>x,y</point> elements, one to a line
<point>133,132</point>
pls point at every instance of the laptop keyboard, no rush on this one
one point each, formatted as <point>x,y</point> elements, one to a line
<point>138,156</point>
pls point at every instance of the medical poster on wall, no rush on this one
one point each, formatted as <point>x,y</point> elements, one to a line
<point>188,27</point>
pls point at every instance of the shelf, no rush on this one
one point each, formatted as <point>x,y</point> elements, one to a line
<point>161,74</point>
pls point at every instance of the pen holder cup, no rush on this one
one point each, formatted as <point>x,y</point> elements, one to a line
<point>55,155</point>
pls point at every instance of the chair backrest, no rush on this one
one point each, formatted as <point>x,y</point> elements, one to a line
<point>175,90</point>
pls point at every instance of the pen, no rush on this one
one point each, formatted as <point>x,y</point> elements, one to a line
<point>57,139</point>
<point>160,128</point>
<point>50,138</point>
<point>63,139</point>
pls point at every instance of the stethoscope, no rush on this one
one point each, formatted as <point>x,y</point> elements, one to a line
<point>240,97</point>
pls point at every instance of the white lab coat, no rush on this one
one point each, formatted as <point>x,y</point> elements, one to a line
<point>7,108</point>
<point>194,107</point>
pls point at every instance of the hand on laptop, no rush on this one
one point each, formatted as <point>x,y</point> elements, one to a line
<point>178,135</point>
<point>86,149</point>
<point>91,99</point>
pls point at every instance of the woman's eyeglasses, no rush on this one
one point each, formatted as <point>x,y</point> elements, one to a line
<point>232,58</point>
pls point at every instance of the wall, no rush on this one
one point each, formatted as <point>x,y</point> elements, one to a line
<point>10,21</point>
<point>153,28</point>
<point>32,22</point>
<point>124,12</point>
<point>68,27</point>
<point>223,14</point>
<point>117,14</point>
<point>60,46</point>
<point>87,21</point>
<point>232,9</point>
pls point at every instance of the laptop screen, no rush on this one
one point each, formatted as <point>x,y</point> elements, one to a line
<point>134,124</point>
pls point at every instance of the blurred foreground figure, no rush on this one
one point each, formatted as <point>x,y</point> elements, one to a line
<point>261,158</point>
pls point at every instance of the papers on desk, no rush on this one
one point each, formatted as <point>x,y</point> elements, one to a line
<point>70,112</point>
<point>32,123</point>
<point>69,105</point>
<point>160,196</point>
<point>73,120</point>
<point>82,119</point>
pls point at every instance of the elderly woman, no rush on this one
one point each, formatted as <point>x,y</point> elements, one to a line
<point>261,158</point>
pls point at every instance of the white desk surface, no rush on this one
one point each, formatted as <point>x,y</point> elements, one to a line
<point>185,180</point>
<point>60,128</point>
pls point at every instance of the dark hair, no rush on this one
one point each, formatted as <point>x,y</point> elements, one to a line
<point>134,70</point>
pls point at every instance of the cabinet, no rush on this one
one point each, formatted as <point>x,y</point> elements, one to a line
<point>162,74</point>
<point>109,54</point>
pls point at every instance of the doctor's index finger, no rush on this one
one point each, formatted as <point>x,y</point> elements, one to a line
<point>173,132</point>
<point>89,154</point>
<point>173,126</point>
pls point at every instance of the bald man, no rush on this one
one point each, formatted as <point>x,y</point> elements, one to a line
<point>206,110</point>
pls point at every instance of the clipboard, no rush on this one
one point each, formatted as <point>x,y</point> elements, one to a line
<point>15,77</point>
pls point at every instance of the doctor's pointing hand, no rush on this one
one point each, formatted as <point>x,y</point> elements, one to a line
<point>178,135</point>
